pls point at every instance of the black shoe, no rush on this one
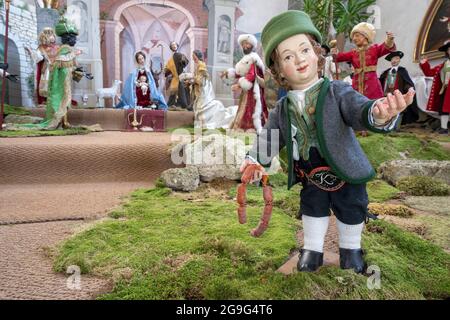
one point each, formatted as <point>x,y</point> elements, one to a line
<point>4,66</point>
<point>352,259</point>
<point>309,261</point>
<point>442,131</point>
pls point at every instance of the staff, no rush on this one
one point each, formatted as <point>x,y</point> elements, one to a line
<point>333,44</point>
<point>7,2</point>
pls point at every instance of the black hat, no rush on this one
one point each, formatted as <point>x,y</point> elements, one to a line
<point>394,54</point>
<point>324,46</point>
<point>445,46</point>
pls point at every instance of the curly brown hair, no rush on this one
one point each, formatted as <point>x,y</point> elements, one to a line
<point>44,36</point>
<point>275,65</point>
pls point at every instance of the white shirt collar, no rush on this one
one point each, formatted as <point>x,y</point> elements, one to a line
<point>302,92</point>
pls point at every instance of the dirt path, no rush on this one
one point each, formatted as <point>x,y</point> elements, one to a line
<point>26,270</point>
<point>37,203</point>
<point>330,254</point>
<point>46,183</point>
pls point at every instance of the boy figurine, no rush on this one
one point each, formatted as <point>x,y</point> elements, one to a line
<point>315,122</point>
<point>364,59</point>
<point>440,96</point>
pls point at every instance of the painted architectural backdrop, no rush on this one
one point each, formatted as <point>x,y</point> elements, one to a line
<point>126,26</point>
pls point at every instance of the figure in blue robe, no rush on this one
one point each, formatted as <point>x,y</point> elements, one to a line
<point>129,99</point>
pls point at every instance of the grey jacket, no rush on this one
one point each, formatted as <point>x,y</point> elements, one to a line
<point>339,111</point>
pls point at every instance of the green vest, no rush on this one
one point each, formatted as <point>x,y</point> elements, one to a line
<point>304,120</point>
<point>322,90</point>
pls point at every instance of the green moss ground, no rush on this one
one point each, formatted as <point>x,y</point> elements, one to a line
<point>381,148</point>
<point>42,133</point>
<point>164,245</point>
<point>180,249</point>
<point>15,110</point>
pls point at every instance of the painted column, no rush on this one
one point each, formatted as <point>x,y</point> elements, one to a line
<point>221,29</point>
<point>86,15</point>
<point>111,40</point>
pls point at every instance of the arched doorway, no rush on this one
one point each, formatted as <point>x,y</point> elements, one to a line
<point>150,28</point>
<point>13,90</point>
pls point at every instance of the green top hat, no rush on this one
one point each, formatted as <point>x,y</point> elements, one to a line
<point>284,26</point>
<point>65,27</point>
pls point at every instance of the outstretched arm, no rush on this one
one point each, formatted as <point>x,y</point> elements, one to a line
<point>426,68</point>
<point>361,113</point>
<point>342,56</point>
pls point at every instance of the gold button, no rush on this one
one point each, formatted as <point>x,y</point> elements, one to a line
<point>312,110</point>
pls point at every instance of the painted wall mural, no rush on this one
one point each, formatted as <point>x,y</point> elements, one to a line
<point>150,28</point>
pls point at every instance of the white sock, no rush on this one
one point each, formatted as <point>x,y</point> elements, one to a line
<point>349,235</point>
<point>314,231</point>
<point>444,121</point>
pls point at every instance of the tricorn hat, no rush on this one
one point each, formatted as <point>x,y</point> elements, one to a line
<point>394,54</point>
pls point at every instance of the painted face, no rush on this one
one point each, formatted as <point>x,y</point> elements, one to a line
<point>174,46</point>
<point>69,39</point>
<point>395,61</point>
<point>141,60</point>
<point>359,40</point>
<point>298,62</point>
<point>247,47</point>
<point>194,57</point>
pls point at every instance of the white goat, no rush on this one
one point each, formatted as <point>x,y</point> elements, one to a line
<point>107,93</point>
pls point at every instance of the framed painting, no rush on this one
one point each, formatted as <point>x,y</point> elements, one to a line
<point>434,32</point>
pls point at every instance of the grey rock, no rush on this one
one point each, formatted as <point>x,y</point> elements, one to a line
<point>216,156</point>
<point>183,179</point>
<point>394,171</point>
<point>437,205</point>
<point>210,173</point>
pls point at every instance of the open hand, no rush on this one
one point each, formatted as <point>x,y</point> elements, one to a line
<point>251,172</point>
<point>387,108</point>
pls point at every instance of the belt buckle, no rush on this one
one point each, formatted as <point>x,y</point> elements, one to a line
<point>324,179</point>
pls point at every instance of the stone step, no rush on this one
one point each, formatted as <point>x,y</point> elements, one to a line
<point>94,158</point>
<point>114,119</point>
